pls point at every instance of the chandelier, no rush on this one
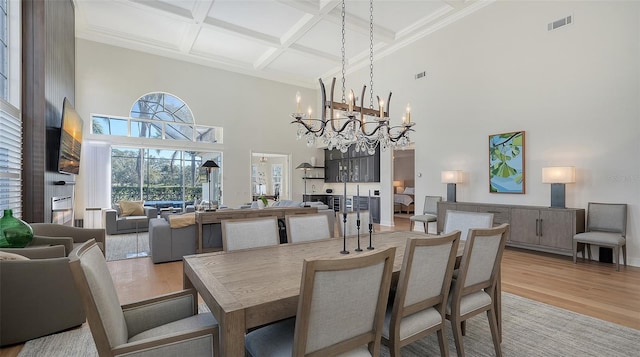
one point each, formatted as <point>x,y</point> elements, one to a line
<point>342,124</point>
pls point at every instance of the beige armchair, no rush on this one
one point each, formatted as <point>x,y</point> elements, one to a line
<point>37,296</point>
<point>168,325</point>
<point>70,237</point>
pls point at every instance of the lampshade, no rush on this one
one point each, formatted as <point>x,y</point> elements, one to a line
<point>304,166</point>
<point>559,174</point>
<point>451,176</point>
<point>210,164</point>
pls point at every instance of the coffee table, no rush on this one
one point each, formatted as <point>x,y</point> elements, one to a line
<point>137,220</point>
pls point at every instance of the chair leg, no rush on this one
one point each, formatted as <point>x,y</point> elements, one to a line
<point>457,337</point>
<point>442,341</point>
<point>616,257</point>
<point>463,327</point>
<point>624,254</point>
<point>411,226</point>
<point>588,248</point>
<point>575,251</point>
<point>493,325</point>
<point>426,227</point>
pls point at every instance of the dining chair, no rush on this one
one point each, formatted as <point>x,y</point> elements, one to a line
<point>352,223</point>
<point>167,325</point>
<point>420,300</point>
<point>307,227</point>
<point>429,212</point>
<point>463,221</point>
<point>245,233</point>
<point>606,227</point>
<point>473,289</point>
<point>341,310</point>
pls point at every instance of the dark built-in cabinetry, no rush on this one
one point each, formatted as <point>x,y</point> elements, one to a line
<point>538,228</point>
<point>352,165</point>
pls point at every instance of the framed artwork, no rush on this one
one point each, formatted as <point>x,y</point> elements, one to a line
<point>506,163</point>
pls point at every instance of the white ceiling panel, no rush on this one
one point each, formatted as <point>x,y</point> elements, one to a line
<point>302,65</point>
<point>134,23</point>
<point>293,41</point>
<point>222,44</point>
<point>267,16</point>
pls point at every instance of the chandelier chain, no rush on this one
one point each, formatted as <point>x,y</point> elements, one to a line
<point>371,53</point>
<point>343,54</point>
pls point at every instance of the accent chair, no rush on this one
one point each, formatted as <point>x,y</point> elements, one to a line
<point>429,212</point>
<point>606,227</point>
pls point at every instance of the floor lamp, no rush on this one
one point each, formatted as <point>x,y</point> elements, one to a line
<point>306,167</point>
<point>209,165</point>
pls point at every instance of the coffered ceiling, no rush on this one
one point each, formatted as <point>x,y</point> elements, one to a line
<point>293,41</point>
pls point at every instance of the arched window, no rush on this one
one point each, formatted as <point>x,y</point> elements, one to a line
<point>157,115</point>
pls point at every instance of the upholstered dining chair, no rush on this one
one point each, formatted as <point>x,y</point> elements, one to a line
<point>463,221</point>
<point>352,223</point>
<point>340,310</point>
<point>473,290</point>
<point>429,212</point>
<point>606,227</point>
<point>168,325</point>
<point>307,227</point>
<point>421,296</point>
<point>245,233</point>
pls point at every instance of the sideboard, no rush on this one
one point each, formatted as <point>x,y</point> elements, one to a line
<point>531,227</point>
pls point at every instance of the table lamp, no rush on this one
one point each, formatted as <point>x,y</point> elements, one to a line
<point>558,176</point>
<point>451,178</point>
<point>209,165</point>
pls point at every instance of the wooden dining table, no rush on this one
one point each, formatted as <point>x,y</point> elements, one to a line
<point>249,288</point>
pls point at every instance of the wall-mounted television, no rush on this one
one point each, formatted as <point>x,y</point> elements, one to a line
<point>70,140</point>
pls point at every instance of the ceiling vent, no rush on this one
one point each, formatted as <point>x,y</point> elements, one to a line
<point>559,23</point>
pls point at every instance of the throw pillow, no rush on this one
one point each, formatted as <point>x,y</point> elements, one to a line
<point>182,220</point>
<point>11,256</point>
<point>131,208</point>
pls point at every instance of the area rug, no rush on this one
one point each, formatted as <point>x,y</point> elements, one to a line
<point>122,246</point>
<point>530,328</point>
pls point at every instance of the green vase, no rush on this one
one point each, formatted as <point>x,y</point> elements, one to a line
<point>14,232</point>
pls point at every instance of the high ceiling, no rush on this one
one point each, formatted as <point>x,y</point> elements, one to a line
<point>293,41</point>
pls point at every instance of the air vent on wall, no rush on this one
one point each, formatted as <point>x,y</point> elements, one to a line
<point>559,23</point>
<point>421,74</point>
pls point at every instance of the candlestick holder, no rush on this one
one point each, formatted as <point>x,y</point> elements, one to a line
<point>344,233</point>
<point>358,226</point>
<point>370,247</point>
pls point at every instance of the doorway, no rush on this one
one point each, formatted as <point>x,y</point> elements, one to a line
<point>270,176</point>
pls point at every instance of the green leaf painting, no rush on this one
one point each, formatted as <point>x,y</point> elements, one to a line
<point>506,162</point>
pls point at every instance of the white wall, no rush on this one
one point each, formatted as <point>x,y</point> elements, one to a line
<point>574,91</point>
<point>253,112</point>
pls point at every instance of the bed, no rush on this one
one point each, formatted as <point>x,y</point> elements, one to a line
<point>404,202</point>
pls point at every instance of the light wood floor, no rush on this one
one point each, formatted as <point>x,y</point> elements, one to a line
<point>589,288</point>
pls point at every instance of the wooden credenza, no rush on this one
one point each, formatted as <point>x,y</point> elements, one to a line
<point>217,217</point>
<point>531,227</point>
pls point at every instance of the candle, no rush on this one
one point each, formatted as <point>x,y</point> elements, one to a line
<point>298,97</point>
<point>358,198</point>
<point>381,109</point>
<point>344,207</point>
<point>351,101</point>
<point>309,112</point>
<point>369,203</point>
<point>408,113</point>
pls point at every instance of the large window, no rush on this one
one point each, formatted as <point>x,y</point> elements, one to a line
<point>157,116</point>
<point>10,122</point>
<point>161,177</point>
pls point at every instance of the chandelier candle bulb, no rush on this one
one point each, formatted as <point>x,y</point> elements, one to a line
<point>351,101</point>
<point>408,114</point>
<point>381,109</point>
<point>298,97</point>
